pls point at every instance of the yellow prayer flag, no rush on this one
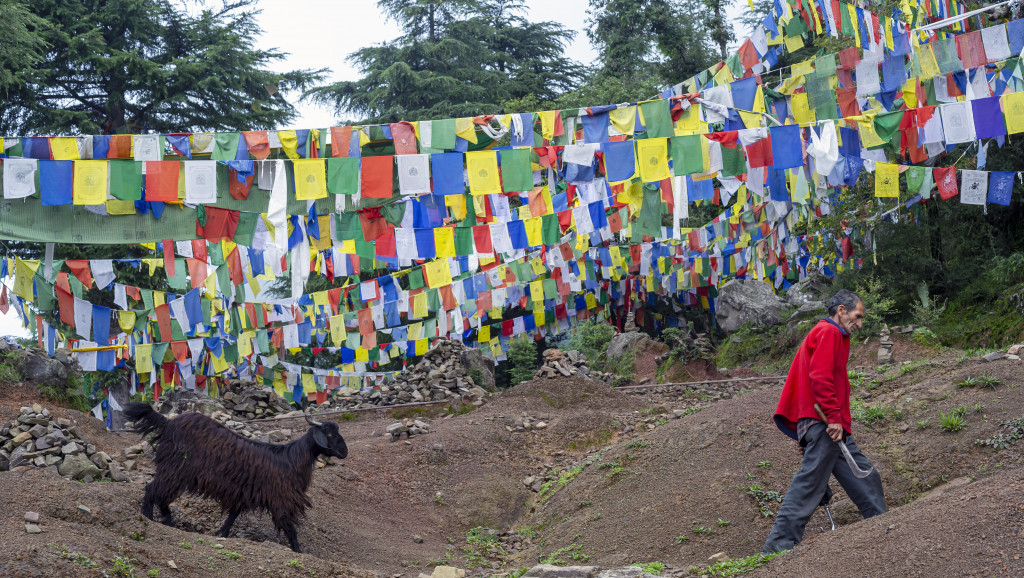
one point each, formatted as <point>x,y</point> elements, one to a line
<point>482,168</point>
<point>362,355</point>
<point>910,93</point>
<point>444,243</point>
<point>853,18</point>
<point>465,128</point>
<point>793,43</point>
<point>245,344</point>
<point>310,179</point>
<point>338,333</point>
<point>64,148</point>
<point>591,301</point>
<point>801,111</point>
<point>308,382</point>
<point>419,306</point>
<point>866,126</point>
<point>1013,111</point>
<point>220,364</point>
<point>495,348</point>
<point>437,273</point>
<point>421,346</point>
<point>652,156</point>
<point>926,62</point>
<point>534,228</point>
<point>457,204</point>
<point>887,180</point>
<point>23,273</point>
<point>724,76</point>
<point>484,334</point>
<point>537,265</point>
<point>118,207</point>
<point>126,321</point>
<point>539,318</point>
<point>289,142</point>
<point>623,119</point>
<point>537,290</point>
<point>90,183</point>
<point>144,358</point>
<point>547,123</point>
<point>279,386</point>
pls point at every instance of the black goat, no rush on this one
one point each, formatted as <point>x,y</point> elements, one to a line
<point>195,454</point>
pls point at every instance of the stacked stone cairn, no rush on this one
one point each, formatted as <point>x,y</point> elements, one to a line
<point>37,439</point>
<point>558,363</point>
<point>439,376</point>
<point>241,400</point>
<point>885,346</point>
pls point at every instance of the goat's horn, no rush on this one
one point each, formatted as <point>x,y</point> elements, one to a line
<point>311,420</point>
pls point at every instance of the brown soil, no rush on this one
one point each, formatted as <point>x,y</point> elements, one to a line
<point>647,480</point>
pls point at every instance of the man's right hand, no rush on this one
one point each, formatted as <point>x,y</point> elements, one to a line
<point>835,431</point>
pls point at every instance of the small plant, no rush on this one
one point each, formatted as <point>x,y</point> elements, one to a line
<point>637,444</point>
<point>739,565</point>
<point>703,531</point>
<point>74,557</point>
<point>123,566</point>
<point>723,523</point>
<point>952,421</point>
<point>1003,440</point>
<point>924,423</point>
<point>229,555</point>
<point>449,555</point>
<point>654,568</point>
<point>662,420</point>
<point>348,416</point>
<point>764,464</point>
<point>763,498</point>
<point>438,499</point>
<point>575,552</point>
<point>185,545</point>
<point>980,381</point>
<point>681,539</point>
<point>153,572</point>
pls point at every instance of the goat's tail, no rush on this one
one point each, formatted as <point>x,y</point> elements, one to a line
<point>145,419</point>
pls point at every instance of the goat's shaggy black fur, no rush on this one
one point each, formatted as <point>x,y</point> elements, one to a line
<point>195,454</point>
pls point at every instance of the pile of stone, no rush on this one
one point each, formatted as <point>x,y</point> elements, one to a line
<point>442,374</point>
<point>408,428</point>
<point>37,439</point>
<point>558,363</point>
<point>528,422</point>
<point>254,402</point>
<point>885,346</point>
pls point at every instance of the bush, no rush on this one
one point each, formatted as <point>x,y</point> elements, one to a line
<point>522,360</point>
<point>878,307</point>
<point>591,339</point>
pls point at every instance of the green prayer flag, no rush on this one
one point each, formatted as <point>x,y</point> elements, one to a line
<point>825,65</point>
<point>348,226</point>
<point>463,241</point>
<point>178,282</point>
<point>343,176</point>
<point>225,146</point>
<point>416,278</point>
<point>551,232</point>
<point>215,253</point>
<point>125,180</point>
<point>550,289</point>
<point>887,124</point>
<point>657,119</point>
<point>442,134</point>
<point>734,163</point>
<point>687,157</point>
<point>845,25</point>
<point>433,304</point>
<point>516,175</point>
<point>246,229</point>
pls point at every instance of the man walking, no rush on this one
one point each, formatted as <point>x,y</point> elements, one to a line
<point>818,376</point>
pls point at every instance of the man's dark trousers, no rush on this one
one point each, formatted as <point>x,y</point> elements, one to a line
<point>823,458</point>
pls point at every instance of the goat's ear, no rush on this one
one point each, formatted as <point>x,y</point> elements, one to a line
<point>320,437</point>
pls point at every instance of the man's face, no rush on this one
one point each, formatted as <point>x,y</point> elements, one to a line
<point>853,320</point>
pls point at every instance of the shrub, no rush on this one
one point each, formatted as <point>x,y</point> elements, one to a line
<point>522,360</point>
<point>877,306</point>
<point>591,339</point>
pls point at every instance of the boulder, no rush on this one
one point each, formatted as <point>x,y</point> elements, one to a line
<point>470,358</point>
<point>77,467</point>
<point>808,311</point>
<point>743,301</point>
<point>626,343</point>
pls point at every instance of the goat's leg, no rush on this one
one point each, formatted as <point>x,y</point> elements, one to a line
<point>232,515</point>
<point>292,534</point>
<point>147,501</point>
<point>165,511</point>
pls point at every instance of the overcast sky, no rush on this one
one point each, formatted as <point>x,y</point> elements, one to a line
<point>322,33</point>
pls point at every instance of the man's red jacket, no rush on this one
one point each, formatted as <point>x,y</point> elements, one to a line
<point>818,375</point>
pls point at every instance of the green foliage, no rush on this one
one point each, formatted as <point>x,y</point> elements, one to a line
<point>522,359</point>
<point>124,566</point>
<point>457,58</point>
<point>591,339</point>
<point>637,444</point>
<point>771,348</point>
<point>116,67</point>
<point>574,553</point>
<point>476,375</point>
<point>23,43</point>
<point>979,381</point>
<point>763,497</point>
<point>681,347</point>
<point>740,565</point>
<point>548,489</point>
<point>65,553</point>
<point>952,421</point>
<point>879,306</point>
<point>925,336</point>
<point>654,568</point>
<point>870,414</point>
<point>8,374</point>
<point>1003,440</point>
<point>642,39</point>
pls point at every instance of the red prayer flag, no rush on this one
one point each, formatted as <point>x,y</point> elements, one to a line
<point>341,138</point>
<point>378,177</point>
<point>162,181</point>
<point>80,268</point>
<point>945,181</point>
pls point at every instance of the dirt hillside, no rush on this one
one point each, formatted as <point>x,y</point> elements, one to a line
<point>610,478</point>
